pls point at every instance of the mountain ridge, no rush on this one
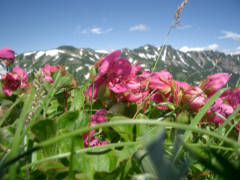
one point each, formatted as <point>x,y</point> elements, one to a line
<point>191,66</point>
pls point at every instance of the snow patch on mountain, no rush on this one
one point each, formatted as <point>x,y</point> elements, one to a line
<point>146,48</point>
<point>181,58</point>
<point>53,52</point>
<point>164,54</point>
<point>150,56</point>
<point>87,75</point>
<point>39,54</point>
<point>142,55</point>
<point>97,56</point>
<point>79,68</point>
<point>92,59</point>
<point>81,52</point>
<point>102,51</point>
<point>29,53</point>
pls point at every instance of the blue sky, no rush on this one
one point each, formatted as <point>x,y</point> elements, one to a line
<point>28,25</point>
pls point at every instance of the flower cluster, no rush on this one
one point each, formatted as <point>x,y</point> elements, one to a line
<point>97,118</point>
<point>48,70</point>
<point>18,78</point>
<point>14,80</point>
<point>128,83</point>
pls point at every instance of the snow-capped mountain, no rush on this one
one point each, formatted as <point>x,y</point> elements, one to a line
<point>191,66</point>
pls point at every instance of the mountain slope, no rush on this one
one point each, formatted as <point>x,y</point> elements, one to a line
<point>190,66</point>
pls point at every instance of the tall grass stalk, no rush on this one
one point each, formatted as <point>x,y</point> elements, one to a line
<point>44,104</point>
<point>199,116</point>
<point>126,121</point>
<point>3,119</point>
<point>113,146</point>
<point>20,124</point>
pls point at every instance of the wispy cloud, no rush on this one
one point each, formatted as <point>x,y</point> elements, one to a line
<point>100,30</point>
<point>139,27</point>
<point>94,30</point>
<point>213,47</point>
<point>230,35</point>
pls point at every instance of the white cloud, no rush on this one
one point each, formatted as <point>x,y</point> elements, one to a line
<point>140,27</point>
<point>230,35</point>
<point>213,47</point>
<point>232,52</point>
<point>95,30</point>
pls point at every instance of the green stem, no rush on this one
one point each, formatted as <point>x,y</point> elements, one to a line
<point>85,150</point>
<point>10,110</point>
<point>20,124</point>
<point>139,121</point>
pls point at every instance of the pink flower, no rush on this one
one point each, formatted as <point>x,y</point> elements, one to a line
<point>136,91</point>
<point>214,82</point>
<point>194,97</point>
<point>22,74</point>
<point>135,69</point>
<point>113,72</point>
<point>47,71</point>
<point>90,92</point>
<point>106,63</point>
<point>234,98</point>
<point>160,98</point>
<point>12,81</point>
<point>182,85</point>
<point>161,81</point>
<point>97,118</point>
<point>178,91</point>
<point>118,74</point>
<point>220,107</point>
<point>137,84</point>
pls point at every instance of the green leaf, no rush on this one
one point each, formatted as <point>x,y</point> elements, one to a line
<point>126,132</point>
<point>67,120</point>
<point>43,130</point>
<point>142,129</point>
<point>53,107</point>
<point>118,108</point>
<point>115,174</point>
<point>77,99</point>
<point>183,117</point>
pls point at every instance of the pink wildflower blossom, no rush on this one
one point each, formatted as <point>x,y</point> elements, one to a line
<point>48,70</point>
<point>194,97</point>
<point>118,74</point>
<point>220,107</point>
<point>136,91</point>
<point>178,91</point>
<point>16,79</point>
<point>11,83</point>
<point>22,74</point>
<point>214,82</point>
<point>161,81</point>
<point>234,98</point>
<point>160,98</point>
<point>97,118</point>
<point>113,72</point>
